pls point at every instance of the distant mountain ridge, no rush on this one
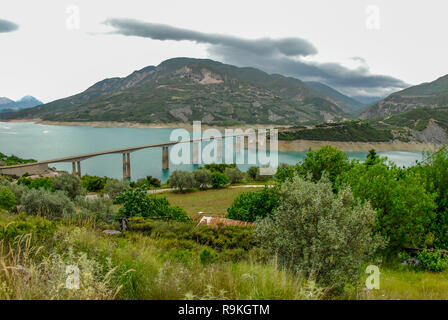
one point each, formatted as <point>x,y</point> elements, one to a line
<point>350,105</point>
<point>7,104</point>
<point>186,89</point>
<point>431,94</point>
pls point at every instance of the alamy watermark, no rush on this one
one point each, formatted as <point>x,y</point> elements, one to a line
<point>213,146</point>
<point>373,280</point>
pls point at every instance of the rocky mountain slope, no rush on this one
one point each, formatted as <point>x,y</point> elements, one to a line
<point>185,89</point>
<point>433,94</point>
<point>349,105</point>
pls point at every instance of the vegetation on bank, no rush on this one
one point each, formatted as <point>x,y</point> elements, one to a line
<point>12,160</point>
<point>345,131</point>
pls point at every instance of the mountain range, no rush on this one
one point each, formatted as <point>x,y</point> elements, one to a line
<point>8,105</point>
<point>185,89</point>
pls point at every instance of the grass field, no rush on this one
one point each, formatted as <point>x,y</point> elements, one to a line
<point>211,202</point>
<point>409,285</point>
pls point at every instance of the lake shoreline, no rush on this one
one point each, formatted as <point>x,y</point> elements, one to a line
<point>283,145</point>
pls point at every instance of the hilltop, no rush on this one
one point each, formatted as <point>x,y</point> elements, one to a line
<point>432,94</point>
<point>181,90</point>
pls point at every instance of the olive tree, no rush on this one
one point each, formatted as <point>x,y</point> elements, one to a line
<point>70,184</point>
<point>320,234</point>
<point>181,180</point>
<point>202,178</point>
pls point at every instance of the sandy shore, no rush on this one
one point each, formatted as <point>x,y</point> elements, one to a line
<point>117,124</point>
<point>293,146</point>
<point>305,145</point>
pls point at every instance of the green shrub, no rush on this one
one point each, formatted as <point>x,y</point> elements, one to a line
<point>405,211</point>
<point>147,182</point>
<point>285,172</point>
<point>41,229</point>
<point>70,184</point>
<point>46,183</point>
<point>93,183</point>
<point>252,172</point>
<point>248,206</point>
<point>19,191</point>
<point>220,167</point>
<point>219,180</point>
<point>433,260</point>
<point>7,198</point>
<point>320,234</point>
<point>207,256</point>
<point>234,174</point>
<point>99,209</point>
<point>202,178</point>
<point>48,204</point>
<point>137,203</point>
<point>181,180</point>
<point>114,187</point>
<point>327,159</point>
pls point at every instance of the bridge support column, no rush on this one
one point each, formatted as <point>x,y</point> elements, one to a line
<point>74,167</point>
<point>78,164</point>
<point>219,141</point>
<point>127,166</point>
<point>165,158</point>
<point>196,152</point>
<point>239,143</point>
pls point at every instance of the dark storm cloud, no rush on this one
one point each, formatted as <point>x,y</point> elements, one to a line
<point>7,26</point>
<point>281,56</point>
<point>265,46</point>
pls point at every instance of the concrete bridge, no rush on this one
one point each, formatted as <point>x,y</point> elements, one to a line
<point>40,166</point>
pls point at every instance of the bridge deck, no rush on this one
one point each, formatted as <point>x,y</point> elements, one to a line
<point>121,150</point>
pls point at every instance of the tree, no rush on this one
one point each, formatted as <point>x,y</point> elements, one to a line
<point>248,206</point>
<point>48,204</point>
<point>405,211</point>
<point>70,184</point>
<point>320,234</point>
<point>7,198</point>
<point>326,159</point>
<point>252,172</point>
<point>234,174</point>
<point>181,180</point>
<point>219,180</point>
<point>203,178</point>
<point>93,183</point>
<point>285,172</point>
<point>137,203</point>
<point>115,187</point>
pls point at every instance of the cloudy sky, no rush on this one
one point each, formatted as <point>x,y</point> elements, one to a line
<point>52,49</point>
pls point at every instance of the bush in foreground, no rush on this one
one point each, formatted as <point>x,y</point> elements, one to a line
<point>320,234</point>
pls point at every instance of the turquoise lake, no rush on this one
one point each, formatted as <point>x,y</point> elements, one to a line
<point>43,142</point>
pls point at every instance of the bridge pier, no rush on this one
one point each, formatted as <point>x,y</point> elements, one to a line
<point>127,166</point>
<point>165,158</point>
<point>219,141</point>
<point>76,168</point>
<point>196,152</point>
